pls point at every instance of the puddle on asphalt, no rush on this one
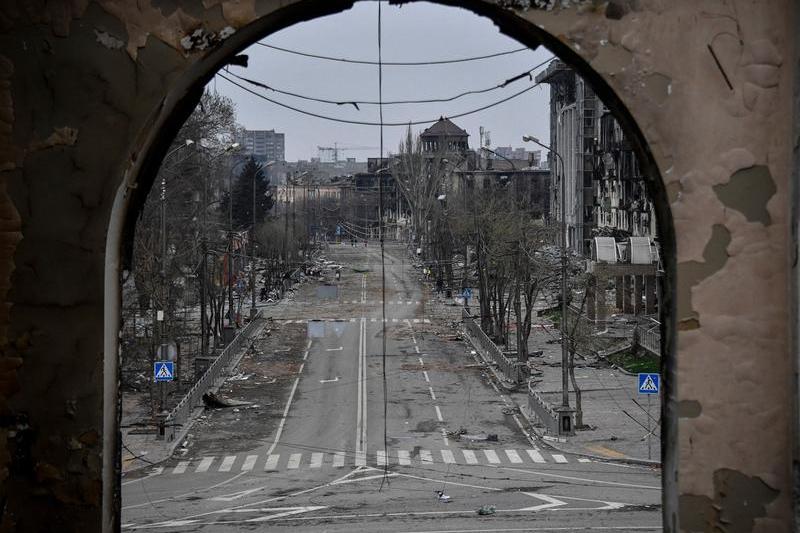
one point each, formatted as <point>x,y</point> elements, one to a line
<point>319,329</point>
<point>328,292</point>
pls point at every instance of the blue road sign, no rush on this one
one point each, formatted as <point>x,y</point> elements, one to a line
<point>467,293</point>
<point>164,370</point>
<point>649,383</point>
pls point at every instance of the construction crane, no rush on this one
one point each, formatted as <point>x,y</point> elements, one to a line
<point>330,154</point>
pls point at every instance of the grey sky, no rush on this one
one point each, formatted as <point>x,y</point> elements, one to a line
<point>412,32</point>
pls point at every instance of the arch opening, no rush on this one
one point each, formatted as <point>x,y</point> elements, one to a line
<point>188,92</point>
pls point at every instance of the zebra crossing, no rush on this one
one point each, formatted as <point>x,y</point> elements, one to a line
<point>315,460</point>
<point>367,302</point>
<point>353,319</point>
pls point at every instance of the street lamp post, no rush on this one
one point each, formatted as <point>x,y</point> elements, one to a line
<point>164,292</point>
<point>564,351</point>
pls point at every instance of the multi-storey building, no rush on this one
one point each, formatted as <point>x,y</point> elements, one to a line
<point>264,145</point>
<point>573,120</point>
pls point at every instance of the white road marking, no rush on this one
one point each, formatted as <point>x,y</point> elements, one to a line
<point>294,461</point>
<point>334,380</point>
<point>316,460</point>
<point>181,467</point>
<point>204,464</point>
<point>513,456</point>
<point>421,362</point>
<point>433,396</point>
<point>416,348</point>
<point>573,478</point>
<point>338,459</point>
<point>373,319</point>
<point>469,457</point>
<point>249,463</point>
<point>302,366</point>
<point>340,348</point>
<point>286,411</point>
<point>491,456</point>
<point>416,321</point>
<point>427,379</point>
<point>584,460</point>
<point>227,463</point>
<point>427,320</point>
<point>444,437</point>
<point>447,456</point>
<point>425,456</point>
<point>403,457</point>
<point>535,456</point>
<point>439,413</point>
<point>361,458</point>
<point>559,458</point>
<point>272,462</point>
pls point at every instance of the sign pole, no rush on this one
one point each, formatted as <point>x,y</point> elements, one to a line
<point>649,433</point>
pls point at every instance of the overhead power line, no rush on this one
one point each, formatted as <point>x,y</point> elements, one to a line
<point>356,103</point>
<point>393,63</point>
<point>369,123</point>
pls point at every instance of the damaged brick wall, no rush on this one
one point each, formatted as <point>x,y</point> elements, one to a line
<point>90,91</point>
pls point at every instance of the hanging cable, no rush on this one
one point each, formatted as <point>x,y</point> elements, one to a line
<point>383,259</point>
<point>392,63</point>
<point>381,124</point>
<point>356,103</point>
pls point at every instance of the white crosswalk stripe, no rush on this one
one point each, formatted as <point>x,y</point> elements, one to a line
<point>272,462</point>
<point>316,460</point>
<point>584,460</point>
<point>469,457</point>
<point>513,456</point>
<point>535,456</point>
<point>338,459</point>
<point>204,465</point>
<point>492,456</point>
<point>296,461</point>
<point>227,463</point>
<point>249,463</point>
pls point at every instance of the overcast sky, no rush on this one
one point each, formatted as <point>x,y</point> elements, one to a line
<point>412,32</point>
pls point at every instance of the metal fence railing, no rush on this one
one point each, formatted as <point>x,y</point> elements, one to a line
<point>212,377</point>
<point>511,369</point>
<point>542,410</point>
<point>649,339</point>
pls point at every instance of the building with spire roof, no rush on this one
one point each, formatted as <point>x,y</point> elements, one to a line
<point>444,138</point>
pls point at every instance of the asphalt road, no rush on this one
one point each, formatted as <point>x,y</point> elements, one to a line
<point>345,453</point>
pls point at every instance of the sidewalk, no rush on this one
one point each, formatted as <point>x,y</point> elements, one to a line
<point>140,447</point>
<point>615,413</point>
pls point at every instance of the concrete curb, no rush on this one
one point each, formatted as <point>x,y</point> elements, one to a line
<point>546,439</point>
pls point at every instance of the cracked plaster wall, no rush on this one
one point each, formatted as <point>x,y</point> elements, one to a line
<point>85,87</point>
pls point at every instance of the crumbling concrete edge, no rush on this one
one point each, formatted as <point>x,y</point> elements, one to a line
<point>540,436</point>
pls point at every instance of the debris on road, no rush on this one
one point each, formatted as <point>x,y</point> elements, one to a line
<point>444,498</point>
<point>212,401</point>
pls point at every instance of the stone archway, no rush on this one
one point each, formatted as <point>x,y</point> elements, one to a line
<point>108,66</point>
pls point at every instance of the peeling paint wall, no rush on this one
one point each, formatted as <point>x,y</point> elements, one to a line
<point>87,88</point>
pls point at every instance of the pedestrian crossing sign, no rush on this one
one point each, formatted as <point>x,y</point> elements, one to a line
<point>649,383</point>
<point>164,370</point>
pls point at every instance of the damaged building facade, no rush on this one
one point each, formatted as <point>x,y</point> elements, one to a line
<point>609,214</point>
<point>92,92</point>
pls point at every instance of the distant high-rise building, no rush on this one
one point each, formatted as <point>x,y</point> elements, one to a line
<point>264,145</point>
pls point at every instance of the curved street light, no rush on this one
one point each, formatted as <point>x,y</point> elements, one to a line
<point>564,354</point>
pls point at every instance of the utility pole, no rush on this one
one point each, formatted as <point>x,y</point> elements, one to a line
<point>203,273</point>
